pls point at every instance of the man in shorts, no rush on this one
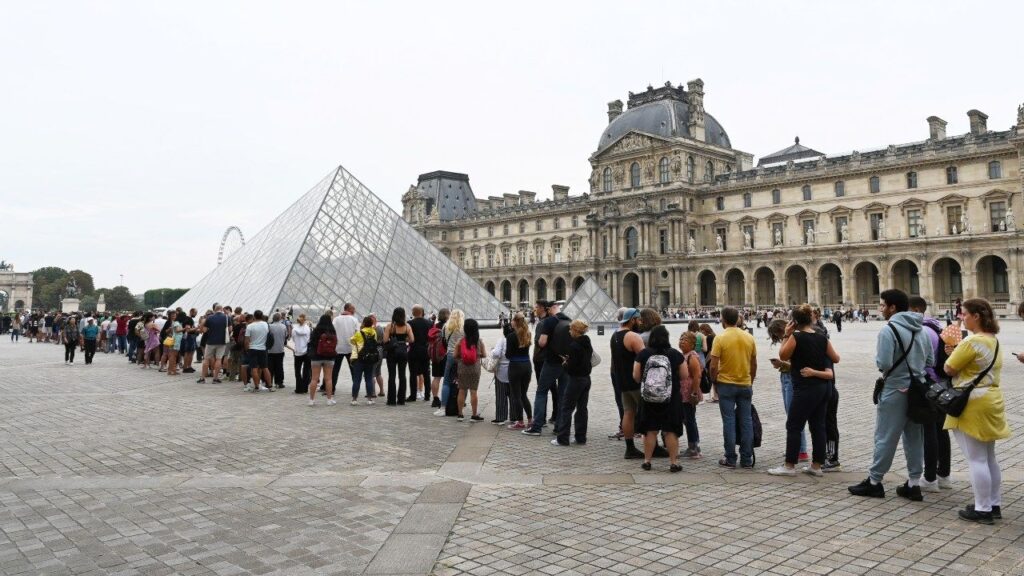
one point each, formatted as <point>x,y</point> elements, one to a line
<point>214,329</point>
<point>256,352</point>
<point>626,344</point>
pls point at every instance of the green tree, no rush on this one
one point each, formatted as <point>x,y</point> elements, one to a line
<point>158,297</point>
<point>48,296</point>
<point>47,275</point>
<point>120,299</point>
<point>84,282</point>
<point>87,304</point>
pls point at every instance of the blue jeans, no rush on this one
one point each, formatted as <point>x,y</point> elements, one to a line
<point>122,343</point>
<point>449,379</point>
<point>362,372</point>
<point>787,401</point>
<point>552,376</point>
<point>734,401</point>
<point>891,423</point>
<point>133,344</point>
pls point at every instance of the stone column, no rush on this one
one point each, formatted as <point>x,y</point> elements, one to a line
<point>813,293</point>
<point>848,295</point>
<point>780,295</point>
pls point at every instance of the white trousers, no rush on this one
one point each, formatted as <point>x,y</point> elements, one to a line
<point>984,470</point>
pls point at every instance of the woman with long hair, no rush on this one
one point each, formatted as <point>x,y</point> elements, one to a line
<point>664,417</point>
<point>811,356</point>
<point>983,420</point>
<point>437,368</point>
<point>517,350</point>
<point>321,363</point>
<point>452,335</point>
<point>776,335</point>
<point>468,354</point>
<point>398,338</point>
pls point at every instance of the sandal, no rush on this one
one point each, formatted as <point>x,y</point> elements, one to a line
<point>675,468</point>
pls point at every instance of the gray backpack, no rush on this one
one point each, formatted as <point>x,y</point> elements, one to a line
<point>656,383</point>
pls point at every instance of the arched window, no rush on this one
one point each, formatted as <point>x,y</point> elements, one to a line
<point>806,191</point>
<point>728,168</point>
<point>776,196</point>
<point>606,180</point>
<point>632,243</point>
<point>874,184</point>
<point>840,187</point>
<point>995,170</point>
<point>709,171</point>
<point>663,171</point>
<point>634,175</point>
<point>911,179</point>
<point>689,169</point>
<point>746,200</point>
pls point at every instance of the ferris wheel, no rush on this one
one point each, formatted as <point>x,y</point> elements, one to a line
<point>229,243</point>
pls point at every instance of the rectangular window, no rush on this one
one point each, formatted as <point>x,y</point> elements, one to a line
<point>951,176</point>
<point>557,222</point>
<point>522,227</point>
<point>522,255</point>
<point>748,232</point>
<point>746,200</point>
<point>506,256</point>
<point>574,250</point>
<point>777,195</point>
<point>778,234</point>
<point>875,221</point>
<point>841,228</point>
<point>490,258</point>
<point>476,232</point>
<point>575,221</point>
<point>691,205</point>
<point>840,189</point>
<point>490,231</point>
<point>914,223</point>
<point>663,241</point>
<point>462,234</point>
<point>874,184</point>
<point>540,225</point>
<point>808,228</point>
<point>556,248</point>
<point>476,259</point>
<point>604,246</point>
<point>997,215</point>
<point>720,203</point>
<point>911,179</point>
<point>995,170</point>
<point>444,235</point>
<point>538,254</point>
<point>504,230</point>
<point>720,232</point>
<point>953,215</point>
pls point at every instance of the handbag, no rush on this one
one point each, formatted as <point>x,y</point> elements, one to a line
<point>595,359</point>
<point>169,341</point>
<point>952,401</point>
<point>918,408</point>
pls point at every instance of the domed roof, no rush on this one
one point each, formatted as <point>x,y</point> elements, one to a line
<point>667,118</point>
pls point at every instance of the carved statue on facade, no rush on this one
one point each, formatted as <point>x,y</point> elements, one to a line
<point>747,240</point>
<point>5,267</point>
<point>938,230</point>
<point>649,169</point>
<point>692,244</point>
<point>1008,219</point>
<point>71,290</point>
<point>778,237</point>
<point>844,233</point>
<point>677,165</point>
<point>595,179</point>
<point>1002,225</point>
<point>618,174</point>
<point>809,235</point>
<point>955,229</point>
<point>965,224</point>
<point>719,242</point>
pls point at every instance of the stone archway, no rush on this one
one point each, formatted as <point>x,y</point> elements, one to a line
<point>559,286</point>
<point>796,285</point>
<point>524,294</point>
<point>4,299</point>
<point>992,279</point>
<point>489,286</point>
<point>764,287</point>
<point>866,285</point>
<point>947,281</point>
<point>830,286</point>
<point>708,288</point>
<point>735,288</point>
<point>577,282</point>
<point>506,291</point>
<point>540,288</point>
<point>631,290</point>
<point>905,277</point>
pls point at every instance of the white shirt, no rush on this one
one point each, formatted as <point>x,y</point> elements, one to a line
<point>300,338</point>
<point>346,326</point>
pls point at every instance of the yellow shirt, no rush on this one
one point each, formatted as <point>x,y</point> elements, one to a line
<point>984,418</point>
<point>734,348</point>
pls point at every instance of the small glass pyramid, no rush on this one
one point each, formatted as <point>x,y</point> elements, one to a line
<point>589,302</point>
<point>340,243</point>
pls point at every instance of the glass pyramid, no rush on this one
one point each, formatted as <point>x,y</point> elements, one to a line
<point>589,302</point>
<point>340,243</point>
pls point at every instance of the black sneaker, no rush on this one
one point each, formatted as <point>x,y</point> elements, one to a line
<point>866,488</point>
<point>660,452</point>
<point>633,454</point>
<point>912,493</point>
<point>646,465</point>
<point>972,515</point>
<point>726,464</point>
<point>476,418</point>
<point>201,381</point>
<point>997,513</point>
<point>436,403</point>
<point>831,466</point>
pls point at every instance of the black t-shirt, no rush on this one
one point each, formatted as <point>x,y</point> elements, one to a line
<point>131,326</point>
<point>216,325</point>
<point>558,337</point>
<point>810,352</point>
<point>539,354</point>
<point>420,329</point>
<point>622,362</point>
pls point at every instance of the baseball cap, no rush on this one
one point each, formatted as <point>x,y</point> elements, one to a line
<point>629,314</point>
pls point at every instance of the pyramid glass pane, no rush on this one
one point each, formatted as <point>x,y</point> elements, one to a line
<point>340,243</point>
<point>589,302</point>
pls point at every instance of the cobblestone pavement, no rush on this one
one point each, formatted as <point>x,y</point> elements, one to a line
<point>109,469</point>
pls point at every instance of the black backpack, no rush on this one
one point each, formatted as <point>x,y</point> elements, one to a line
<point>940,353</point>
<point>560,337</point>
<point>370,353</point>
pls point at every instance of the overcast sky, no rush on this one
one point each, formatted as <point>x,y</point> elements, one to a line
<point>133,133</point>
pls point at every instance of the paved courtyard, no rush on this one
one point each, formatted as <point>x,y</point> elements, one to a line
<point>109,469</point>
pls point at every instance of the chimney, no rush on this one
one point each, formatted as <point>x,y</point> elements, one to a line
<point>511,199</point>
<point>695,100</point>
<point>614,109</point>
<point>936,128</point>
<point>559,192</point>
<point>495,202</point>
<point>979,122</point>
<point>526,197</point>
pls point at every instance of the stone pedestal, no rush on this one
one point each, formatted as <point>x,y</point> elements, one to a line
<point>69,305</point>
<point>101,304</point>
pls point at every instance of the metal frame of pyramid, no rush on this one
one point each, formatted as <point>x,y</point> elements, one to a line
<point>340,243</point>
<point>589,302</point>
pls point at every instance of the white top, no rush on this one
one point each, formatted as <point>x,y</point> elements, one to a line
<point>345,326</point>
<point>300,338</point>
<point>499,353</point>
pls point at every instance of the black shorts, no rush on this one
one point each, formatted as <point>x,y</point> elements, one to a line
<point>188,343</point>
<point>258,359</point>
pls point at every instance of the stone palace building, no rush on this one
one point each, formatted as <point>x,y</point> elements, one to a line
<point>677,217</point>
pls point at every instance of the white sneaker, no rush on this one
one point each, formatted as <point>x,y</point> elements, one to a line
<point>264,389</point>
<point>248,388</point>
<point>945,483</point>
<point>782,471</point>
<point>369,402</point>
<point>312,403</point>
<point>927,486</point>
<point>331,402</point>
<point>811,471</point>
<point>439,412</point>
<point>355,402</point>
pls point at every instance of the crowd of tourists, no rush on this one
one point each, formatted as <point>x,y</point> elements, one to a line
<point>657,385</point>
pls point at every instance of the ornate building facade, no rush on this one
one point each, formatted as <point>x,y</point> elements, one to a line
<point>677,217</point>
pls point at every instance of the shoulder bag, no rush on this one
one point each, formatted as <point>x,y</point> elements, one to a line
<point>952,401</point>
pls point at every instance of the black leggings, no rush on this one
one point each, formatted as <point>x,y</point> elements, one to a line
<point>832,427</point>
<point>519,382</point>
<point>90,350</point>
<point>69,351</point>
<point>936,449</point>
<point>302,374</point>
<point>809,405</point>
<point>397,366</point>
